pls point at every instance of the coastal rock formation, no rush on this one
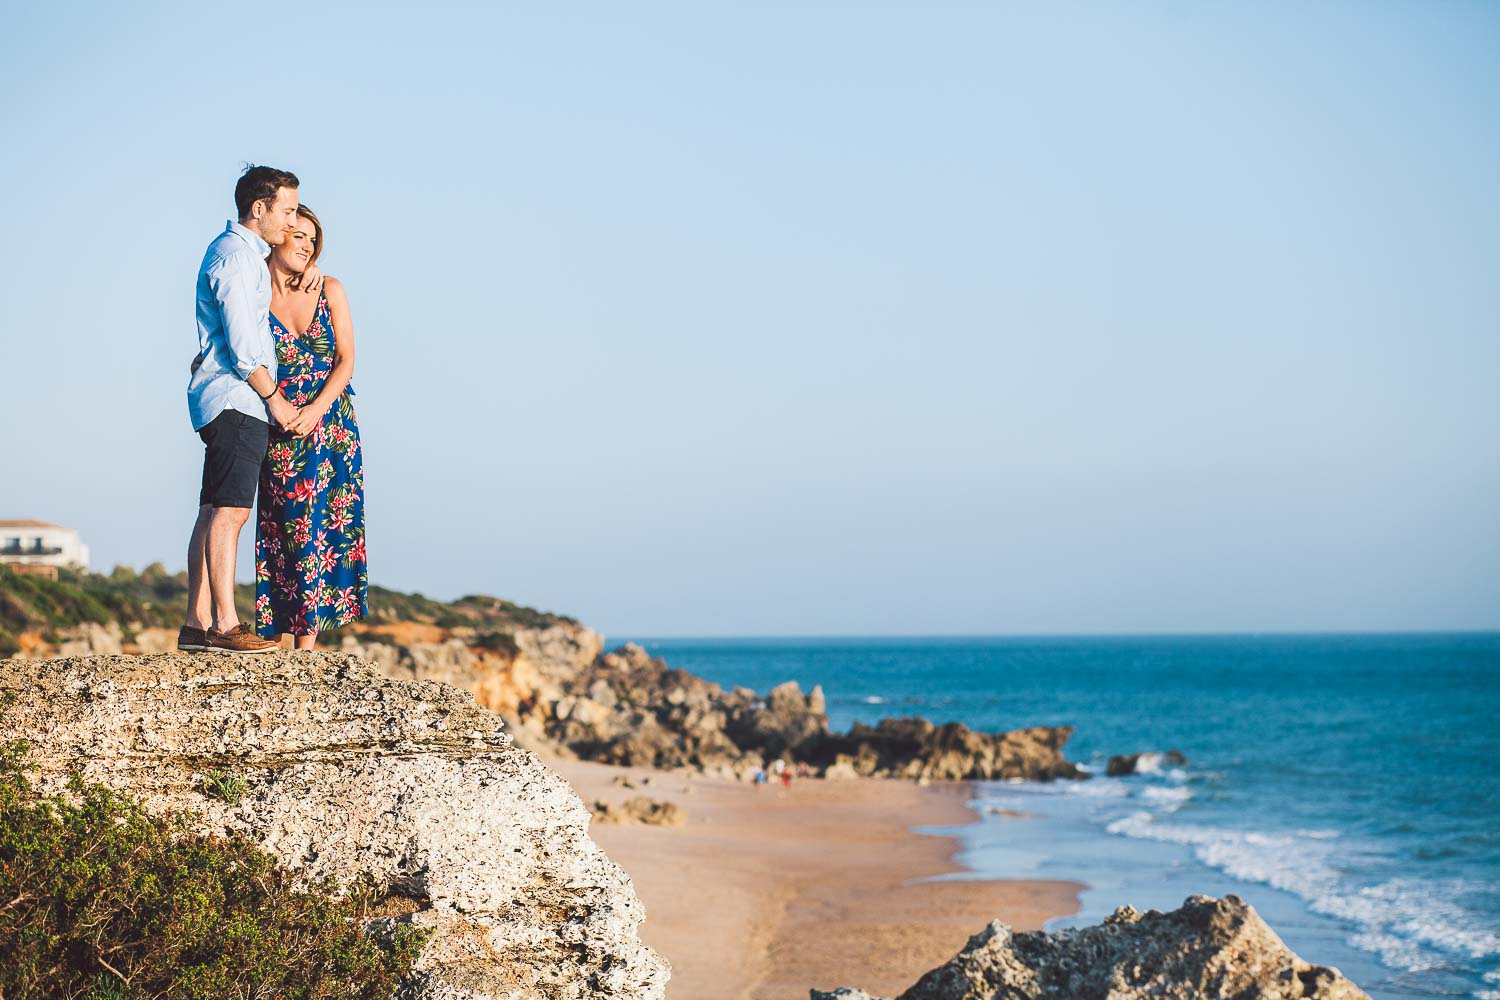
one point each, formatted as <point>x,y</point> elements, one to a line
<point>916,748</point>
<point>351,774</point>
<point>517,673</point>
<point>630,708</point>
<point>560,695</point>
<point>1142,763</point>
<point>1207,948</point>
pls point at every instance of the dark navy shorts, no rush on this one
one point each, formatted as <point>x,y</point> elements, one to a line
<point>235,446</point>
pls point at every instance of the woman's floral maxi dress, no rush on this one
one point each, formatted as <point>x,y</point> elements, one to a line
<point>310,570</point>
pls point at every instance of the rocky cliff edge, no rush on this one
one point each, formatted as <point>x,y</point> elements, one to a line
<point>350,773</point>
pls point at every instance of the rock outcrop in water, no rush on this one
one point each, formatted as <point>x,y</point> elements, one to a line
<point>1207,948</point>
<point>350,773</point>
<point>1144,763</point>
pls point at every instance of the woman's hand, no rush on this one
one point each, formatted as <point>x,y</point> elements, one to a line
<point>307,420</point>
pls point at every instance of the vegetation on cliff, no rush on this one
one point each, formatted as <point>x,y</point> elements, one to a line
<point>102,901</point>
<point>154,598</point>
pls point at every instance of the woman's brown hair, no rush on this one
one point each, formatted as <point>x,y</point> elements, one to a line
<point>317,250</point>
<point>312,217</point>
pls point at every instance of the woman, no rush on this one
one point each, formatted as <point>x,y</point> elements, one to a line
<point>310,534</point>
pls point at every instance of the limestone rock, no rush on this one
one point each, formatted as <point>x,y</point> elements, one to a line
<point>351,773</point>
<point>1207,948</point>
<point>789,721</point>
<point>842,769</point>
<point>515,674</point>
<point>640,809</point>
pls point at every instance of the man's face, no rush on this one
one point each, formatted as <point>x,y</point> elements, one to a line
<point>279,217</point>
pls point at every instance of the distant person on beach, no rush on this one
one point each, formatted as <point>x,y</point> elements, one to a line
<point>310,572</point>
<point>232,397</point>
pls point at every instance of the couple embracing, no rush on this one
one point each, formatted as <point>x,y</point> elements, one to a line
<point>269,395</point>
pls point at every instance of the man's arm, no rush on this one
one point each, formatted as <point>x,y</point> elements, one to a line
<point>250,345</point>
<point>280,408</point>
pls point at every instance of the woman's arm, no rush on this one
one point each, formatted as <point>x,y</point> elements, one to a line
<point>343,361</point>
<point>343,344</point>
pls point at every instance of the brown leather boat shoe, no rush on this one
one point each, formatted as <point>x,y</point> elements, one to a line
<point>192,640</point>
<point>240,640</point>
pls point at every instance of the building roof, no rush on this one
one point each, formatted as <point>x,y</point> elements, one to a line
<point>30,522</point>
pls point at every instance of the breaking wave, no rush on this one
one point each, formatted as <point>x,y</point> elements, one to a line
<point>1408,923</point>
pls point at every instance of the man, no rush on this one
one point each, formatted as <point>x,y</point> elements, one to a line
<point>232,393</point>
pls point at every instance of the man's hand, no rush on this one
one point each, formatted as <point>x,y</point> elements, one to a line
<point>282,411</point>
<point>307,420</point>
<point>310,280</point>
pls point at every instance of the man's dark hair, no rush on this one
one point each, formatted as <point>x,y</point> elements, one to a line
<point>260,184</point>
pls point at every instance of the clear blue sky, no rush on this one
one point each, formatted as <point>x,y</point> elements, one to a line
<point>704,319</point>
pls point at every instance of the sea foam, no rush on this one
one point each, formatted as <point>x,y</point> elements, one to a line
<point>1409,924</point>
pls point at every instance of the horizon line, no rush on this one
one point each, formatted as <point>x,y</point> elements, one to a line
<point>1266,633</point>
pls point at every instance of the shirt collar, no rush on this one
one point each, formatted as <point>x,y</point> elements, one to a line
<point>249,236</point>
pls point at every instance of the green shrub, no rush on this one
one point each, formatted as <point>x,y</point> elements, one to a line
<point>102,901</point>
<point>224,786</point>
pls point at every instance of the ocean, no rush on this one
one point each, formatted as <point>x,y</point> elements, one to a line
<point>1346,786</point>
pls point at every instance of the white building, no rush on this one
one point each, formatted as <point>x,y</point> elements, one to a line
<point>42,543</point>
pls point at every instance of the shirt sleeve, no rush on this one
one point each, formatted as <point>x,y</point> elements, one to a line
<point>232,282</point>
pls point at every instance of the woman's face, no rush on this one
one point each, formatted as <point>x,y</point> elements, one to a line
<point>298,248</point>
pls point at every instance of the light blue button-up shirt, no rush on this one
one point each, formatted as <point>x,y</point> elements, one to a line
<point>234,328</point>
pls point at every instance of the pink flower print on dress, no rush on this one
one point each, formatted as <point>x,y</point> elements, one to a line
<point>304,491</point>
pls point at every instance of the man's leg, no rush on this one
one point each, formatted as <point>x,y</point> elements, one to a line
<point>200,611</point>
<point>223,546</point>
<point>236,444</point>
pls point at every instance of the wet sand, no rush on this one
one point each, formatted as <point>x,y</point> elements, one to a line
<point>768,892</point>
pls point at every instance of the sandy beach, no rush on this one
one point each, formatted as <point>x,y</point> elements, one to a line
<point>767,892</point>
